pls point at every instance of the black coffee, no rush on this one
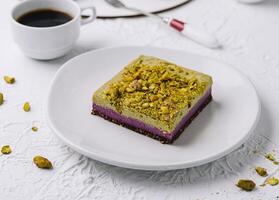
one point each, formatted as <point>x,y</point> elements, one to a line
<point>44,18</point>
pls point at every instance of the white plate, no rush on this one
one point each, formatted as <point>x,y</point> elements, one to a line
<point>222,127</point>
<point>105,10</point>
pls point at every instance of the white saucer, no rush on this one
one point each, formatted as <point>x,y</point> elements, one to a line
<point>105,10</point>
<point>219,129</point>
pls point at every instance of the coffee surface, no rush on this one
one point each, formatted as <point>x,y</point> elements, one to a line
<point>44,18</point>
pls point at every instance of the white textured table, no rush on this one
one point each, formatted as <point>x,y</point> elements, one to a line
<point>250,34</point>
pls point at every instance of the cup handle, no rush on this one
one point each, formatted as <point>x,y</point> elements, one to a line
<point>84,5</point>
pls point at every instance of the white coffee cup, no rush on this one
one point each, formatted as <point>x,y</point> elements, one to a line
<point>46,43</point>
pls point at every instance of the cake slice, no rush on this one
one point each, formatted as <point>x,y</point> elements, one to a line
<point>153,97</point>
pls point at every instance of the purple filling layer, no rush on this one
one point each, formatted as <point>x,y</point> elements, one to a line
<point>141,125</point>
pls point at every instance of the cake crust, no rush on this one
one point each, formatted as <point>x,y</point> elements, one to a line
<point>161,139</point>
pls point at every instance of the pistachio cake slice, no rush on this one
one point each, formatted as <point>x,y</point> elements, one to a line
<point>153,97</point>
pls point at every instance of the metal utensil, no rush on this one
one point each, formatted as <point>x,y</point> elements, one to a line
<point>185,29</point>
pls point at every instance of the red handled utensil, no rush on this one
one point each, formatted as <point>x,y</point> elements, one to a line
<point>185,29</point>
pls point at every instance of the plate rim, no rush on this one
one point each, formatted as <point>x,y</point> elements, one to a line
<point>132,14</point>
<point>126,164</point>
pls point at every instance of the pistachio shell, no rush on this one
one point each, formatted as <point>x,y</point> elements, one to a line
<point>6,149</point>
<point>9,79</point>
<point>270,157</point>
<point>42,162</point>
<point>272,181</point>
<point>34,128</point>
<point>26,107</point>
<point>1,98</point>
<point>245,184</point>
<point>261,171</point>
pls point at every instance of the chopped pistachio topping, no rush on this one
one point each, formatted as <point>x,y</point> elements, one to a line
<point>26,107</point>
<point>245,184</point>
<point>6,149</point>
<point>270,157</point>
<point>34,128</point>
<point>9,79</point>
<point>261,171</point>
<point>272,181</point>
<point>1,98</point>
<point>157,90</point>
<point>42,162</point>
<point>276,162</point>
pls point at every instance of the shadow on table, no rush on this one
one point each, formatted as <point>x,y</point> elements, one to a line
<point>225,167</point>
<point>265,3</point>
<point>199,124</point>
<point>271,3</point>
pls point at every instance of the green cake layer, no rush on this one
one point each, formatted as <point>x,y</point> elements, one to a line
<point>154,91</point>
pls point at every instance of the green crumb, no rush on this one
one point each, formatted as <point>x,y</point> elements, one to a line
<point>34,128</point>
<point>276,162</point>
<point>42,162</point>
<point>261,171</point>
<point>255,151</point>
<point>270,157</point>
<point>6,149</point>
<point>245,184</point>
<point>272,181</point>
<point>1,98</point>
<point>26,107</point>
<point>9,79</point>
